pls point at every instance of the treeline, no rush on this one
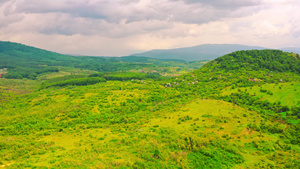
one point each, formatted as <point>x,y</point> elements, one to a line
<point>28,72</point>
<point>77,81</point>
<point>271,60</point>
<point>127,76</point>
<point>110,66</point>
<point>80,80</point>
<point>244,98</point>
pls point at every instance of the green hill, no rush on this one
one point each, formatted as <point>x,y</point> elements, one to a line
<point>219,116</point>
<point>23,61</point>
<point>269,60</point>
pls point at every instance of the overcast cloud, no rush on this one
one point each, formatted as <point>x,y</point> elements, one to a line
<point>122,27</point>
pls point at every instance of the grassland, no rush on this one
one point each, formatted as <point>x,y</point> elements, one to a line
<point>285,93</point>
<point>157,140</point>
<point>208,118</point>
<point>116,124</point>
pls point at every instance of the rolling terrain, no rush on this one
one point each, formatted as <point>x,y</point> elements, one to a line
<point>241,110</point>
<point>30,62</point>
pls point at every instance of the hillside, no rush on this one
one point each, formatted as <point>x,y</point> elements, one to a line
<point>21,61</point>
<point>201,52</point>
<point>219,116</point>
<point>267,60</point>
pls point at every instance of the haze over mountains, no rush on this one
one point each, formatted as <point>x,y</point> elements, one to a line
<point>291,49</point>
<point>202,52</point>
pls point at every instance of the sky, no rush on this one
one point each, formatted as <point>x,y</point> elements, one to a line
<point>123,27</point>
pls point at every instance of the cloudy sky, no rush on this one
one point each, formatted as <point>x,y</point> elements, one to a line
<point>123,27</point>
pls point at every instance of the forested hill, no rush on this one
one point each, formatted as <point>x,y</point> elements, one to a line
<point>23,61</point>
<point>271,60</point>
<point>27,53</point>
<point>246,69</point>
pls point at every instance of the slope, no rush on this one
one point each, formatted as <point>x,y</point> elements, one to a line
<point>182,122</point>
<point>126,124</point>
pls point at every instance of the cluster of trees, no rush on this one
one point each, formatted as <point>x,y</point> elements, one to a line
<point>28,72</point>
<point>77,81</point>
<point>295,111</point>
<point>272,112</point>
<point>127,76</point>
<point>244,98</point>
<point>271,60</point>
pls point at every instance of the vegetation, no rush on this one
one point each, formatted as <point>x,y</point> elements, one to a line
<point>218,116</point>
<point>73,81</point>
<point>33,62</point>
<point>271,60</point>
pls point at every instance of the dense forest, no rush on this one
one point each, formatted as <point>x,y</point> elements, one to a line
<point>241,110</point>
<point>271,60</point>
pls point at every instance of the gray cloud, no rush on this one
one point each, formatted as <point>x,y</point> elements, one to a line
<point>188,11</point>
<point>2,1</point>
<point>152,22</point>
<point>7,17</point>
<point>227,3</point>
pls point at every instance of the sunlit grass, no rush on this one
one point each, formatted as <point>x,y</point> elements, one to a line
<point>285,93</point>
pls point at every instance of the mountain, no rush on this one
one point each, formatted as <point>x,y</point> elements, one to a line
<point>201,52</point>
<point>291,49</point>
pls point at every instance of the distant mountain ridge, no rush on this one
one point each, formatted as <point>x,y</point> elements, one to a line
<point>291,49</point>
<point>202,52</point>
<point>24,52</point>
